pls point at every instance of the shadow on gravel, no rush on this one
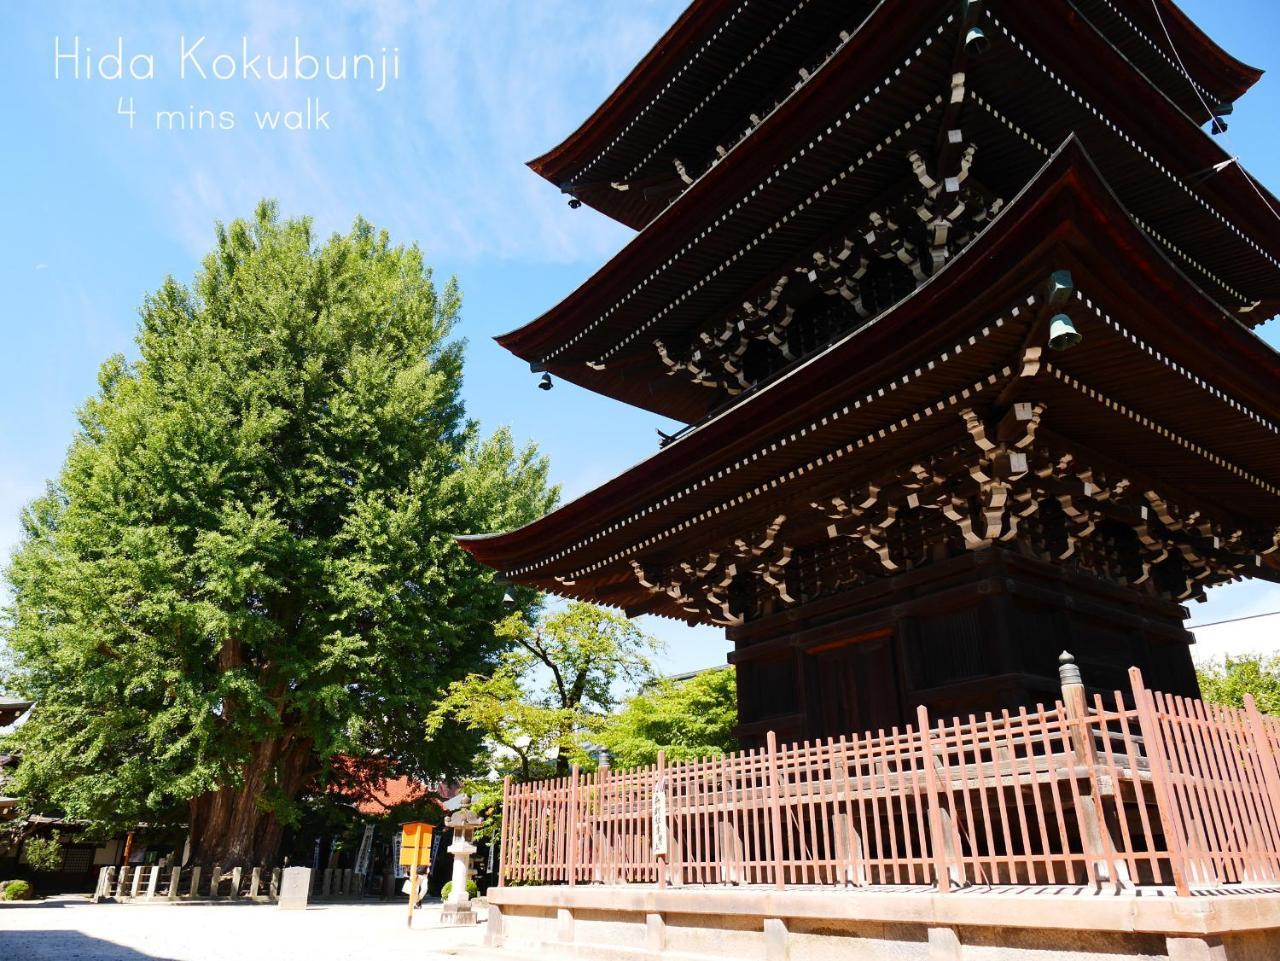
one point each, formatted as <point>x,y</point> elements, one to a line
<point>64,946</point>
<point>32,905</point>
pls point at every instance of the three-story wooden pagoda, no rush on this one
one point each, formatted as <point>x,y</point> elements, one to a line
<point>958,301</point>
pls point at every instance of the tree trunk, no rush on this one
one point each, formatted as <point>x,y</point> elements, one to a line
<point>230,826</point>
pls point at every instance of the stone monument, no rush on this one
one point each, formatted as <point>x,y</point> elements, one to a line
<point>295,889</point>
<point>463,823</point>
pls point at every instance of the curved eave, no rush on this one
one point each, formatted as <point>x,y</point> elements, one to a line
<point>645,78</point>
<point>1066,211</point>
<point>1145,107</point>
<point>1211,66</point>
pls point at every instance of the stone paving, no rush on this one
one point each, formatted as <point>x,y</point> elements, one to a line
<point>71,929</point>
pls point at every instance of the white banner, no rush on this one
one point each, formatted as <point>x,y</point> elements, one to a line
<point>365,852</point>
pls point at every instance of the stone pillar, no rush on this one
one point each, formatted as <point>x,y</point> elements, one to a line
<point>564,925</point>
<point>273,892</point>
<point>215,882</point>
<point>194,890</point>
<point>776,940</point>
<point>944,944</point>
<point>255,883</point>
<point>655,934</point>
<point>136,888</point>
<point>493,934</point>
<point>122,885</point>
<point>295,889</point>
<point>175,881</point>
<point>106,883</point>
<point>153,882</point>
<point>237,874</point>
<point>1209,948</point>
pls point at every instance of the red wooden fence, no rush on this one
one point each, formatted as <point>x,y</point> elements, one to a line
<point>1170,791</point>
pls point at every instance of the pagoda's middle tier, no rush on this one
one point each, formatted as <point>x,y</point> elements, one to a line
<point>1145,455</point>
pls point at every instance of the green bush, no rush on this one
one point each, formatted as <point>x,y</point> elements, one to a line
<point>472,890</point>
<point>16,891</point>
<point>43,854</point>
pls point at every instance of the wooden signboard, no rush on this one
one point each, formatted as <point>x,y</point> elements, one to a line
<point>415,852</point>
<point>415,843</point>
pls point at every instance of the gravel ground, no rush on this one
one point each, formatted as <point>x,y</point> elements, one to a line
<point>72,929</point>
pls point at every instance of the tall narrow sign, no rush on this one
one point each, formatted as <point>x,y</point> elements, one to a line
<point>659,832</point>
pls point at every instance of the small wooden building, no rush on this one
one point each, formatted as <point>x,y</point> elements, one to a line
<point>957,300</point>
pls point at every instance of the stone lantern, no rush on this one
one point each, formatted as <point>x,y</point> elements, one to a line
<point>463,823</point>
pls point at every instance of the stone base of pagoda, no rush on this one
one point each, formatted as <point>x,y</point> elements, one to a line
<point>976,633</point>
<point>603,923</point>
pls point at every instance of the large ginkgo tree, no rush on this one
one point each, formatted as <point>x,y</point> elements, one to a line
<point>246,565</point>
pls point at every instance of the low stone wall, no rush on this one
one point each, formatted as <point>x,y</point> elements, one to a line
<point>604,923</point>
<point>213,883</point>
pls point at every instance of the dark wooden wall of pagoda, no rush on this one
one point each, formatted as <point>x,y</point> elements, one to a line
<point>978,633</point>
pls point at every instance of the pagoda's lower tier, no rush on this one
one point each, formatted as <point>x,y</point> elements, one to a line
<point>1051,444</point>
<point>977,633</point>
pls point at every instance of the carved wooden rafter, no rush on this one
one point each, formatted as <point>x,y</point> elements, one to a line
<point>934,219</point>
<point>998,488</point>
<point>702,586</point>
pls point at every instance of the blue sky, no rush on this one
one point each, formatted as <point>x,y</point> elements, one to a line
<point>98,213</point>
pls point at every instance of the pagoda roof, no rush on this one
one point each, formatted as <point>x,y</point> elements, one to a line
<point>688,90</point>
<point>718,240</point>
<point>1166,386</point>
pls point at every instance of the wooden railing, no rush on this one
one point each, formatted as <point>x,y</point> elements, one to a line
<point>1167,791</point>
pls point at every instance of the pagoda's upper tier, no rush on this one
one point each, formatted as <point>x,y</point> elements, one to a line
<point>725,64</point>
<point>887,161</point>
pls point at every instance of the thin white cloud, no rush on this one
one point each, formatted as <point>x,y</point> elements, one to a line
<point>438,157</point>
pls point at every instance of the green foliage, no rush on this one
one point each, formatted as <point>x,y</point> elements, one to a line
<point>472,890</point>
<point>549,693</point>
<point>43,854</point>
<point>247,563</point>
<point>687,719</point>
<point>16,891</point>
<point>1228,681</point>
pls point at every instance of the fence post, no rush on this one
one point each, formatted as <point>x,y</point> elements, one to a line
<point>775,812</point>
<point>666,828</point>
<point>1083,750</point>
<point>1266,756</point>
<point>571,835</point>
<point>1098,843</point>
<point>935,810</point>
<point>1170,820</point>
<point>504,833</point>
